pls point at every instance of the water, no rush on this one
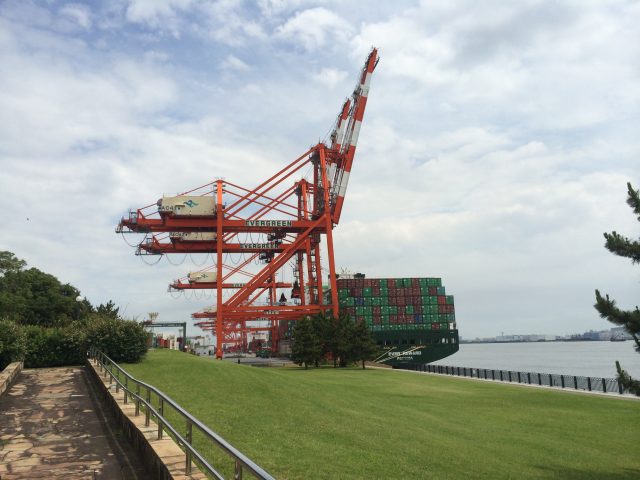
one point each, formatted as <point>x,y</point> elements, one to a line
<point>589,359</point>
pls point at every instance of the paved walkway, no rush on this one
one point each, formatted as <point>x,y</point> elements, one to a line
<point>53,426</point>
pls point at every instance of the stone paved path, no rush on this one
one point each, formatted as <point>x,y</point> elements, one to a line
<point>52,426</point>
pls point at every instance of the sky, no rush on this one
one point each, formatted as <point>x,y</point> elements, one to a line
<point>495,149</point>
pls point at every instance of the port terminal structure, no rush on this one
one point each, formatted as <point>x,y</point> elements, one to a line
<point>289,217</point>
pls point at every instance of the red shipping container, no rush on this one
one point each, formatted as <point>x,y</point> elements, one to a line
<point>433,291</point>
<point>390,283</point>
<point>415,282</point>
<point>417,308</point>
<point>377,321</point>
<point>435,326</point>
<point>376,290</point>
<point>442,300</point>
<point>415,291</point>
<point>443,308</point>
<point>451,309</point>
<point>376,311</point>
<point>393,319</point>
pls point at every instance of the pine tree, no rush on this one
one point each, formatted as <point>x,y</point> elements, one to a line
<point>306,348</point>
<point>629,319</point>
<point>362,344</point>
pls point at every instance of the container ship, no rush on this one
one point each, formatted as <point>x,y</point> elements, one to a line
<point>412,319</point>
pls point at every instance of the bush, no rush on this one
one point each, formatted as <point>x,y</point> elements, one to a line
<point>121,340</point>
<point>12,344</point>
<point>53,347</point>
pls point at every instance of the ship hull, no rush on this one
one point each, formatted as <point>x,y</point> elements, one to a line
<point>405,348</point>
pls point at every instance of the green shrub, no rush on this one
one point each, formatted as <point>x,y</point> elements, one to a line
<point>121,340</point>
<point>53,347</point>
<point>12,344</point>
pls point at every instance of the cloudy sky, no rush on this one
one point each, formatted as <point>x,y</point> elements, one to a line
<point>495,151</point>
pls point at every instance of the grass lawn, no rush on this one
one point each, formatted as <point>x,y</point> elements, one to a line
<point>379,424</point>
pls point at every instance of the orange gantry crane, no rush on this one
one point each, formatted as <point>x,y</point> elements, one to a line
<point>287,217</point>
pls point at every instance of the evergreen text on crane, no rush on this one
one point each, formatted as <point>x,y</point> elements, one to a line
<point>268,223</point>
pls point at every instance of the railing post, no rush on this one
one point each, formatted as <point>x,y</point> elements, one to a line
<point>619,387</point>
<point>501,378</point>
<point>519,378</point>
<point>238,473</point>
<point>551,379</point>
<point>161,412</point>
<point>137,400</point>
<point>189,440</point>
<point>493,374</point>
<point>529,377</point>
<point>126,387</point>
<point>575,382</point>
<point>539,379</point>
<point>604,386</point>
<point>147,413</point>
<point>562,380</point>
<point>589,383</point>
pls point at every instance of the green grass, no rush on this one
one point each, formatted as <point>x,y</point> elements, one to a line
<point>379,424</point>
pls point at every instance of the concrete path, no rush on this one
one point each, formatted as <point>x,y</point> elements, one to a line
<point>53,426</point>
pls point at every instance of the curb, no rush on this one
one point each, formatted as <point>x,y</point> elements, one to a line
<point>9,374</point>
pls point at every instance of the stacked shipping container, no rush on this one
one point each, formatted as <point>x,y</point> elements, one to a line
<point>387,304</point>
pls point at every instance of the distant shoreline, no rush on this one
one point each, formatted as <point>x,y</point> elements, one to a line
<point>469,342</point>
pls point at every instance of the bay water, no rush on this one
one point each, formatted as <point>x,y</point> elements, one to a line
<point>589,359</point>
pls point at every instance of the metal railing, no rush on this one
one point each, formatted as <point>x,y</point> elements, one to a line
<point>196,439</point>
<point>574,382</point>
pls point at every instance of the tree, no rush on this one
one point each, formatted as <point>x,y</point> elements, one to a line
<point>341,340</point>
<point>322,327</point>
<point>10,263</point>
<point>362,344</point>
<point>108,309</point>
<point>629,319</point>
<point>306,348</point>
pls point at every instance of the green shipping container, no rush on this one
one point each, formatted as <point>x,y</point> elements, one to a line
<point>408,309</point>
<point>367,292</point>
<point>449,299</point>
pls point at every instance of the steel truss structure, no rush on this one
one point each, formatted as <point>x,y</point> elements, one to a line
<point>291,217</point>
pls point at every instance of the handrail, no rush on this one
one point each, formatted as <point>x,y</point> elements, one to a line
<point>242,462</point>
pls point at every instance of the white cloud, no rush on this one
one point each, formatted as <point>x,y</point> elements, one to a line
<point>153,12</point>
<point>314,28</point>
<point>77,13</point>
<point>234,63</point>
<point>494,152</point>
<point>330,77</point>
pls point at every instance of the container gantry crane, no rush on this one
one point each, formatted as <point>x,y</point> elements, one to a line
<point>290,216</point>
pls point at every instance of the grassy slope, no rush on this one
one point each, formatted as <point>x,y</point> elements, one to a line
<point>341,424</point>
